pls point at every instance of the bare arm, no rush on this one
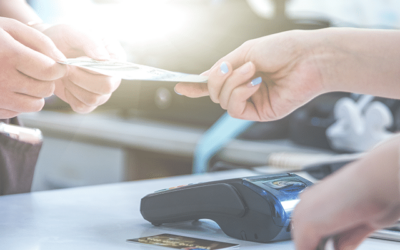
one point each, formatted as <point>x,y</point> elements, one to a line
<point>353,202</point>
<point>296,66</point>
<point>359,60</point>
<point>19,10</point>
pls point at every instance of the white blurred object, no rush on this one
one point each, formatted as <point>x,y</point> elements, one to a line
<point>145,22</point>
<point>358,130</point>
<point>263,8</point>
<point>360,13</point>
<point>296,161</point>
<point>107,1</point>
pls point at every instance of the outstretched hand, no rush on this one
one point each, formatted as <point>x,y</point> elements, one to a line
<point>82,89</point>
<point>28,68</point>
<point>264,79</point>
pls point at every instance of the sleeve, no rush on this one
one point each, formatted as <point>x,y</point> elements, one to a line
<point>17,163</point>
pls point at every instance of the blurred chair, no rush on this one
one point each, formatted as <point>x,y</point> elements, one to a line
<point>223,130</point>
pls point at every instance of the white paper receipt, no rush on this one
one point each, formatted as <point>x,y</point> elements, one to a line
<point>132,71</point>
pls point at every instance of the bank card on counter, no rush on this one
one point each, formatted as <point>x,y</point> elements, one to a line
<point>183,242</point>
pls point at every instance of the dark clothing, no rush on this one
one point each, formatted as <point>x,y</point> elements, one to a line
<point>17,163</point>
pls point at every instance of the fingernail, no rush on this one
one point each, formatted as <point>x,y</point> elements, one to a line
<point>245,68</point>
<point>102,54</point>
<point>177,92</point>
<point>256,81</point>
<point>224,68</point>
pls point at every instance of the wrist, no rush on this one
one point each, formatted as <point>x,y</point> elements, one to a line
<point>355,60</point>
<point>328,52</point>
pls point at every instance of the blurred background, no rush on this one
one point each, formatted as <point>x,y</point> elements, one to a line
<point>147,131</point>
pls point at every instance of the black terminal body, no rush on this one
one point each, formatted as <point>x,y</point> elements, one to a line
<point>254,208</point>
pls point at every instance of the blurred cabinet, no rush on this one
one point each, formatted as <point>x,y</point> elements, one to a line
<point>64,164</point>
<point>102,148</point>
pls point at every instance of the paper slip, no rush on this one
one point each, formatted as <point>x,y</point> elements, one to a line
<point>132,71</point>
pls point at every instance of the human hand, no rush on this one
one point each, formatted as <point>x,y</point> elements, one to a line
<point>85,90</point>
<point>352,203</point>
<point>27,68</point>
<point>290,77</point>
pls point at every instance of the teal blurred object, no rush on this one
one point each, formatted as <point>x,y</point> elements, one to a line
<point>49,10</point>
<point>223,130</point>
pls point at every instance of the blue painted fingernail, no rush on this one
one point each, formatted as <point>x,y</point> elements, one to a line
<point>177,92</point>
<point>224,68</point>
<point>256,81</point>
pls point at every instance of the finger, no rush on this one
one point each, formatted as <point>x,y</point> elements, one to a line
<point>21,103</point>
<point>263,99</point>
<point>32,38</point>
<point>234,60</point>
<point>60,89</point>
<point>192,90</point>
<point>32,87</point>
<point>38,66</point>
<point>33,63</point>
<point>350,239</point>
<point>88,98</point>
<point>114,49</point>
<point>217,78</point>
<point>95,83</point>
<point>239,105</point>
<point>86,44</point>
<point>94,48</point>
<point>237,57</point>
<point>77,105</point>
<point>241,75</point>
<point>7,114</point>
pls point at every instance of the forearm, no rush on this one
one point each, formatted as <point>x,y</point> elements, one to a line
<point>359,60</point>
<point>351,203</point>
<point>21,11</point>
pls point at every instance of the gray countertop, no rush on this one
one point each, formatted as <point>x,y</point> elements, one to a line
<point>104,217</point>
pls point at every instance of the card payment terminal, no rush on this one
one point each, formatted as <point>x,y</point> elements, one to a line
<point>255,208</point>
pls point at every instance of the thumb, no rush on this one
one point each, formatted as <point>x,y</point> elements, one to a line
<point>94,48</point>
<point>193,90</point>
<point>86,44</point>
<point>114,49</point>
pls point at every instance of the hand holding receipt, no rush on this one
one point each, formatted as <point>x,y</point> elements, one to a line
<point>132,71</point>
